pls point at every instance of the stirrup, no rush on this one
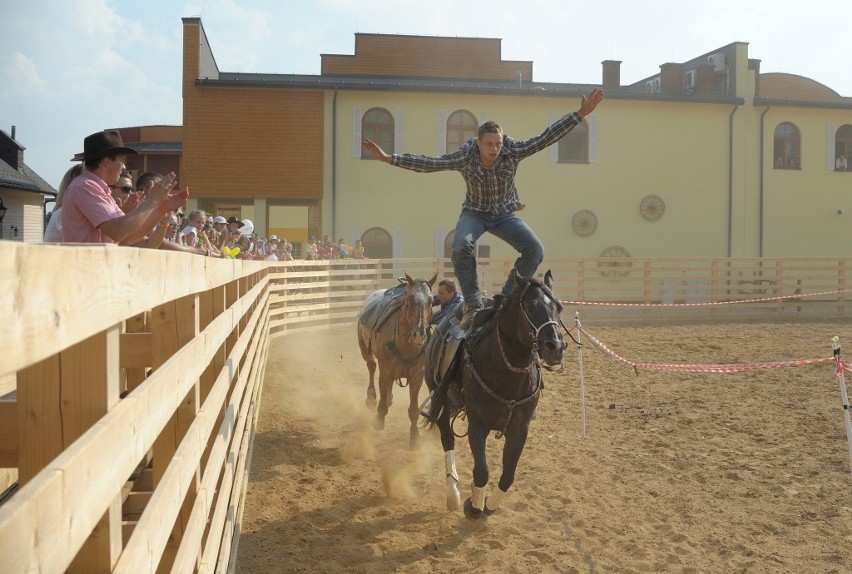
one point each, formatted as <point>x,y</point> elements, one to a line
<point>426,406</point>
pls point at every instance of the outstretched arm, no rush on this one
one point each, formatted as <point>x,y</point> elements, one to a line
<point>377,152</point>
<point>590,102</point>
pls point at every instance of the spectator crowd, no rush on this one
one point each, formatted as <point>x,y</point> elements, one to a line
<point>99,203</point>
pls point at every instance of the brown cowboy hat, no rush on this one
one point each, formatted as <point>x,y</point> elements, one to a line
<point>102,144</point>
<point>233,219</point>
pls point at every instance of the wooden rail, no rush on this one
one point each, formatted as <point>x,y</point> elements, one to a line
<point>130,380</point>
<point>151,481</point>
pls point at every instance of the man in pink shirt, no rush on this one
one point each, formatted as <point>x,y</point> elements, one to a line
<point>91,215</point>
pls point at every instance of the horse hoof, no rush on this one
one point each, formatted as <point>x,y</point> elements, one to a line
<point>371,403</point>
<point>470,511</point>
<point>379,424</point>
<point>454,500</point>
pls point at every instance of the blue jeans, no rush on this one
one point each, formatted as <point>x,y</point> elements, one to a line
<point>508,227</point>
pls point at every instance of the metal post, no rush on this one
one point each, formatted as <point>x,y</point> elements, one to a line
<point>843,396</point>
<point>582,377</point>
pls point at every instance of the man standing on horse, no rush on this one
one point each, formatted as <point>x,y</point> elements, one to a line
<point>488,164</point>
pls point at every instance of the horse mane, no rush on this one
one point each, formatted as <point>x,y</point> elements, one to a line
<point>517,289</point>
<point>493,319</point>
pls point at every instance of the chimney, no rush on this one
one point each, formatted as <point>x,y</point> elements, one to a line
<point>754,64</point>
<point>671,78</point>
<point>704,81</point>
<point>10,151</point>
<point>611,74</point>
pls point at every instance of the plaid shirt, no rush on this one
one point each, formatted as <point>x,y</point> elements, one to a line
<point>490,190</point>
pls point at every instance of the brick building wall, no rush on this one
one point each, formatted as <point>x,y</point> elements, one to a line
<point>424,56</point>
<point>245,143</point>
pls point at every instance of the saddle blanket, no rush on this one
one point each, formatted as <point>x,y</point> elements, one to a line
<point>381,305</point>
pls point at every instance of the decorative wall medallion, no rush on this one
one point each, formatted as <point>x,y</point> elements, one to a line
<point>584,222</point>
<point>617,261</point>
<point>652,207</point>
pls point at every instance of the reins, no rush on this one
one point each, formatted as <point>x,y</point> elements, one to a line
<point>535,360</point>
<point>396,330</point>
<point>509,404</point>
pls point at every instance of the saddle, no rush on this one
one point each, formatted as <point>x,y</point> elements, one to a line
<point>449,343</point>
<point>376,313</point>
<point>452,339</point>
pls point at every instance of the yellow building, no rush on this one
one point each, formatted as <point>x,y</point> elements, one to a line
<point>682,163</point>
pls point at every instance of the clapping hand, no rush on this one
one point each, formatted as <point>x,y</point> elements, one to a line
<point>132,201</point>
<point>175,200</point>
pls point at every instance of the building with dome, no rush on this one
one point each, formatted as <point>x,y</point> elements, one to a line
<point>703,158</point>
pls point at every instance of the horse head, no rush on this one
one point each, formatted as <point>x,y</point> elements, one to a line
<point>417,308</point>
<point>540,310</point>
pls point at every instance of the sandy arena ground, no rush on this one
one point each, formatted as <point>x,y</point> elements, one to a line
<point>679,472</point>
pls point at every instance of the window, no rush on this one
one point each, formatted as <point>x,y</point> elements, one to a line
<point>842,147</point>
<point>448,251</point>
<point>786,150</point>
<point>574,146</point>
<point>378,243</point>
<point>461,126</point>
<point>377,125</point>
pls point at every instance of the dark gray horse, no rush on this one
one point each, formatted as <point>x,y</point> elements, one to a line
<point>495,377</point>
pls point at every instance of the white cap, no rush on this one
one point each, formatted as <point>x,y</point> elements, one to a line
<point>219,219</point>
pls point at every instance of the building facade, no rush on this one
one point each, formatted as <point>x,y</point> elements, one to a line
<point>23,194</point>
<point>707,157</point>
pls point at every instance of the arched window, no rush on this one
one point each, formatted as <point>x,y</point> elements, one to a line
<point>842,147</point>
<point>482,251</point>
<point>574,146</point>
<point>786,149</point>
<point>448,244</point>
<point>377,125</point>
<point>461,126</point>
<point>448,251</point>
<point>378,243</point>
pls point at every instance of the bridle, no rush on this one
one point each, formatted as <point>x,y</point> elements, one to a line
<point>412,327</point>
<point>534,331</point>
<point>535,359</point>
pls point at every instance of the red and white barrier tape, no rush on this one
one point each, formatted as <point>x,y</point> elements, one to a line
<point>709,368</point>
<point>705,303</point>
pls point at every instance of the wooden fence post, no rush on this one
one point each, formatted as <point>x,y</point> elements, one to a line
<point>135,375</point>
<point>59,399</point>
<point>647,286</point>
<point>173,325</point>
<point>714,286</point>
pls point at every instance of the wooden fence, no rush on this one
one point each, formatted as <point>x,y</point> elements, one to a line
<point>317,294</point>
<point>130,379</point>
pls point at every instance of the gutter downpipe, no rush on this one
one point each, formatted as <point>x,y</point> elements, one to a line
<point>760,171</point>
<point>334,163</point>
<point>731,179</point>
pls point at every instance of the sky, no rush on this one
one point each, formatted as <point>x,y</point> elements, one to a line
<point>69,68</point>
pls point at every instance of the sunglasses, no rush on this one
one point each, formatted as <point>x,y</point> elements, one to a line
<point>124,188</point>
